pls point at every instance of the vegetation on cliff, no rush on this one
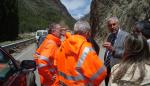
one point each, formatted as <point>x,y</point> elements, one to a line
<point>128,12</point>
<point>19,16</point>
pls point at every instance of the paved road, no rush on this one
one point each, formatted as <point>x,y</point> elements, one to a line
<point>27,54</point>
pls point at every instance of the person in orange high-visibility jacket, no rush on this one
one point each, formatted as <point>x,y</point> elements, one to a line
<point>77,62</point>
<point>45,55</point>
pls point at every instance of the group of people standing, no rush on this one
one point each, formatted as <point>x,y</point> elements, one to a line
<point>127,55</point>
<point>74,61</point>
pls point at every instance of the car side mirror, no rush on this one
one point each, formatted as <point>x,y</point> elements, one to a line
<point>28,65</point>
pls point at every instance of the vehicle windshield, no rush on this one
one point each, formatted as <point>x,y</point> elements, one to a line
<point>4,66</point>
<point>44,33</point>
<point>3,58</point>
<point>39,33</point>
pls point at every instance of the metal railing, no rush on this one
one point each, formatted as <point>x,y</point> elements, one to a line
<point>18,44</point>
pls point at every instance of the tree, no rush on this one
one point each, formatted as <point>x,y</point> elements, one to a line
<point>8,20</point>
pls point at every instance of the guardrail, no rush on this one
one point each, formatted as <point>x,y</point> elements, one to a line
<point>18,44</point>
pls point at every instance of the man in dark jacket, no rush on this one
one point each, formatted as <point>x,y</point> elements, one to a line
<point>114,45</point>
<point>94,44</point>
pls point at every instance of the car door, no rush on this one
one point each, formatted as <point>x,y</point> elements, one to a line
<point>9,71</point>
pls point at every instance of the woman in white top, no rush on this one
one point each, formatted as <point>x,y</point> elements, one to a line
<point>134,70</point>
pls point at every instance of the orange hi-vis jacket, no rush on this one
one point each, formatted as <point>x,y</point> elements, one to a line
<point>78,64</point>
<point>45,59</point>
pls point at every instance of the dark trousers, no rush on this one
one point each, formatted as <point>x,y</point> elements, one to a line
<point>108,75</point>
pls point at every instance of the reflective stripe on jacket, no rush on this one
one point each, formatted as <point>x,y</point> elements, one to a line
<point>78,64</point>
<point>45,56</point>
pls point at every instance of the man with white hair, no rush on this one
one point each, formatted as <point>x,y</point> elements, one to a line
<point>114,45</point>
<point>45,55</point>
<point>77,62</point>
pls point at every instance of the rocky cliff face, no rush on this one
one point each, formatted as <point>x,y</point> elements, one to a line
<point>63,9</point>
<point>37,14</point>
<point>19,16</point>
<point>86,17</point>
<point>128,12</point>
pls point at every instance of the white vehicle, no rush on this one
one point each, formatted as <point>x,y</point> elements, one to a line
<point>40,33</point>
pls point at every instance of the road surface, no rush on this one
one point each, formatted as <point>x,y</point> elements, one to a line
<point>27,54</point>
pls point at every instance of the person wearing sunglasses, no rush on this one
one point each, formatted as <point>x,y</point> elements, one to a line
<point>143,27</point>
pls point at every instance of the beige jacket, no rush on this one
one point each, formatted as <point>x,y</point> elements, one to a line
<point>127,76</point>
